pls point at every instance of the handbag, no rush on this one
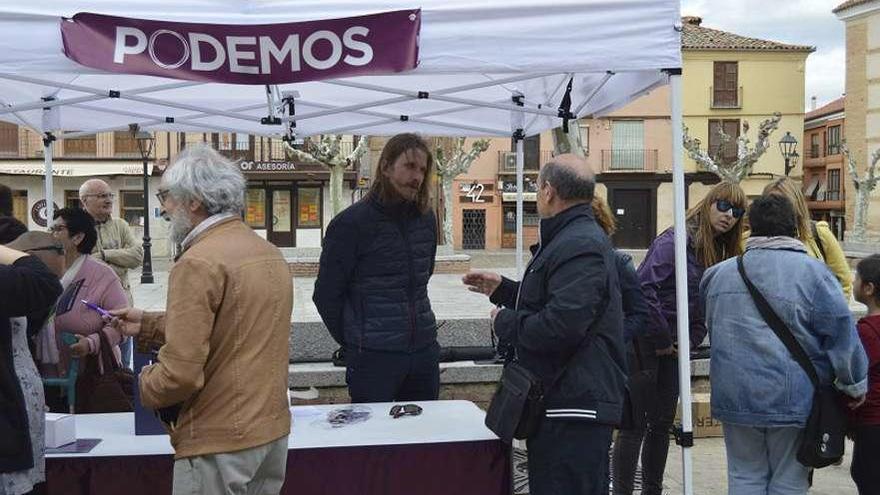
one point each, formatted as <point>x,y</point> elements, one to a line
<point>517,405</point>
<point>107,392</point>
<point>823,439</point>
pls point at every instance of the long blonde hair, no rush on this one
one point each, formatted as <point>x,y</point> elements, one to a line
<point>786,188</point>
<point>603,215</point>
<point>712,249</point>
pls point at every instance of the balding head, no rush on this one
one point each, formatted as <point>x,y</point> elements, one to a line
<point>97,199</point>
<point>571,178</point>
<point>93,186</point>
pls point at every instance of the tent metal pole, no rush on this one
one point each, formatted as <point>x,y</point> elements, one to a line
<point>440,95</point>
<point>681,283</point>
<point>49,192</point>
<point>418,117</point>
<point>443,91</point>
<point>130,96</point>
<point>350,108</point>
<point>85,99</point>
<point>519,118</point>
<point>594,92</point>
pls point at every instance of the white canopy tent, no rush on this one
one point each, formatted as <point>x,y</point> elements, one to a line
<point>486,68</point>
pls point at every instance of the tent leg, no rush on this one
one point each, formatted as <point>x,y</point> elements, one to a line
<point>50,196</point>
<point>681,296</point>
<point>518,119</point>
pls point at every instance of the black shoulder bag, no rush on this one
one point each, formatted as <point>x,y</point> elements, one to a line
<point>518,404</point>
<point>823,439</point>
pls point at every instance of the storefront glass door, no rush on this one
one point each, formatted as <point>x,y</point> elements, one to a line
<point>281,231</point>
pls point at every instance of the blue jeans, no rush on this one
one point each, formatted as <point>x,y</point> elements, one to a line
<point>126,347</point>
<point>762,461</point>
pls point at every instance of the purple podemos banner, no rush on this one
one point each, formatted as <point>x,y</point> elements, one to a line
<point>247,53</point>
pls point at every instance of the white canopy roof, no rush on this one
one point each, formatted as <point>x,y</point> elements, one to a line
<point>474,56</point>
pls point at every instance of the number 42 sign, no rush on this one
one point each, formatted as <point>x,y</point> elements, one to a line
<point>475,192</point>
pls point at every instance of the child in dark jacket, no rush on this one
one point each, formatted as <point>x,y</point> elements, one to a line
<point>865,419</point>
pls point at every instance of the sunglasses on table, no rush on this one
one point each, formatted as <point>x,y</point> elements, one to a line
<point>405,410</point>
<point>724,206</point>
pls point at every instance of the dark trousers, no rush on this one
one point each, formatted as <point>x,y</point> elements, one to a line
<point>658,396</point>
<point>569,457</point>
<point>378,376</point>
<point>865,468</point>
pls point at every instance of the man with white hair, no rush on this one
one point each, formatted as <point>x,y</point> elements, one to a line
<point>116,244</point>
<point>220,382</point>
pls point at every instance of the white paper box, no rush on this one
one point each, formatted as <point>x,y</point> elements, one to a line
<point>60,430</point>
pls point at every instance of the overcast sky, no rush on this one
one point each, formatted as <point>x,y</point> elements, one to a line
<point>801,22</point>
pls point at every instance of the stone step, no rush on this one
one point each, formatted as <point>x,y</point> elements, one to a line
<point>307,265</point>
<point>311,342</point>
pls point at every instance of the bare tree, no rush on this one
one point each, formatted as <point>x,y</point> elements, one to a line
<point>746,156</point>
<point>864,187</point>
<point>452,160</point>
<point>327,151</point>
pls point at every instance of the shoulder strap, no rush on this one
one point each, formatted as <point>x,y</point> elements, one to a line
<point>779,327</point>
<point>817,239</point>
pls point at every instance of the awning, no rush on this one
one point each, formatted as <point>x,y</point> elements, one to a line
<point>810,189</point>
<point>74,168</point>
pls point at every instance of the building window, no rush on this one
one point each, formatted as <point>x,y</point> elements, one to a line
<point>724,153</point>
<point>234,146</point>
<point>834,140</point>
<point>530,217</point>
<point>308,203</point>
<point>725,89</point>
<point>627,145</point>
<point>20,206</point>
<point>815,145</point>
<point>585,138</point>
<point>125,146</point>
<point>8,139</point>
<point>531,151</point>
<point>71,199</point>
<point>255,208</point>
<point>86,146</point>
<point>131,205</point>
<point>832,193</point>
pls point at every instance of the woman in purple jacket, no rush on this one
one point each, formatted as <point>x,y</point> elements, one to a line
<point>714,233</point>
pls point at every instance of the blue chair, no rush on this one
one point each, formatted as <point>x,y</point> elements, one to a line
<point>68,382</point>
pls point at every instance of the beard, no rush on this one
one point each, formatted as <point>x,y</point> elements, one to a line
<point>181,225</point>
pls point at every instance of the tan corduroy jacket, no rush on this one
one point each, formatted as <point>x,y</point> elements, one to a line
<point>224,343</point>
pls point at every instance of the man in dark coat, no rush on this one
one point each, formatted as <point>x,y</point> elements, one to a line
<point>372,285</point>
<point>564,321</point>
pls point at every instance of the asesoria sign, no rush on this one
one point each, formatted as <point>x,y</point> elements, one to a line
<point>246,54</point>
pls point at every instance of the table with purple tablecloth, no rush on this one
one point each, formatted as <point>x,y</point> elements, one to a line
<point>445,450</point>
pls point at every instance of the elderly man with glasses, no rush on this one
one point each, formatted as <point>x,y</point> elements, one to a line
<point>116,244</point>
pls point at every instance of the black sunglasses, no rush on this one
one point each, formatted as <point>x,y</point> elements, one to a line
<point>405,410</point>
<point>723,206</point>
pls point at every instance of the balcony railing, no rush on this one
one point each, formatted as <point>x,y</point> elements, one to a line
<point>531,161</point>
<point>815,151</point>
<point>717,102</point>
<point>629,160</point>
<point>27,145</point>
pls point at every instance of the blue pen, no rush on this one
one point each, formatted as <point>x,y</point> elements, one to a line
<point>99,309</point>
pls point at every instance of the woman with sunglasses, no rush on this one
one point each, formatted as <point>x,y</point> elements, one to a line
<point>714,233</point>
<point>816,236</point>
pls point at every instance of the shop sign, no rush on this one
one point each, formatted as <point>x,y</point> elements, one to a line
<point>253,166</point>
<point>526,196</point>
<point>38,212</point>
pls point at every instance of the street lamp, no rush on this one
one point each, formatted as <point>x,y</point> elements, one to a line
<point>788,148</point>
<point>145,142</point>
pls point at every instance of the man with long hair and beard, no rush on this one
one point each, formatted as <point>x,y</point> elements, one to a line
<point>372,285</point>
